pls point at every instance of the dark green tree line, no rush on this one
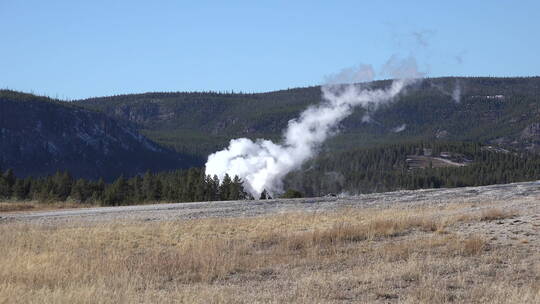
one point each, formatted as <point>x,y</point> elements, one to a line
<point>175,186</point>
<point>386,169</point>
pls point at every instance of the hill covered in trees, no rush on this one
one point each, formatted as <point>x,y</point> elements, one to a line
<point>499,111</point>
<point>39,136</point>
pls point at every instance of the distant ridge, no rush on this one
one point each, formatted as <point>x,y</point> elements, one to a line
<point>203,122</point>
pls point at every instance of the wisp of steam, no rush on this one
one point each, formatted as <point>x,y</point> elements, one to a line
<point>262,164</point>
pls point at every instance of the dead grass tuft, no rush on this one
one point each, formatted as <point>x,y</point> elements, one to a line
<point>15,206</point>
<point>32,205</point>
<point>474,245</point>
<point>496,214</point>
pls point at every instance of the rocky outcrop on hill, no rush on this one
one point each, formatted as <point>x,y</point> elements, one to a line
<point>532,131</point>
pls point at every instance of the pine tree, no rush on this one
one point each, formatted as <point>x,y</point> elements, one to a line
<point>81,191</point>
<point>9,177</point>
<point>98,191</point>
<point>264,195</point>
<point>7,181</point>
<point>213,188</point>
<point>237,189</point>
<point>136,184</point>
<point>158,190</point>
<point>63,182</point>
<point>117,193</point>
<point>225,188</point>
<point>5,190</point>
<point>20,189</point>
<point>148,186</point>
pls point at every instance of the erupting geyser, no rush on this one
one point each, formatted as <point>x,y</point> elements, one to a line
<point>262,164</point>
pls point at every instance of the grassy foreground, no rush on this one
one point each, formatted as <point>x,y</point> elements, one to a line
<point>419,255</point>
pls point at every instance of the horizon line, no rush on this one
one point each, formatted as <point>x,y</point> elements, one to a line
<point>233,92</point>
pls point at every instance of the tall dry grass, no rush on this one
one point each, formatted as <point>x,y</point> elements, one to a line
<point>348,256</point>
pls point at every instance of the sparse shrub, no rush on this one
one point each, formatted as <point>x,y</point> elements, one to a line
<point>15,206</point>
<point>430,225</point>
<point>473,246</point>
<point>291,193</point>
<point>496,214</point>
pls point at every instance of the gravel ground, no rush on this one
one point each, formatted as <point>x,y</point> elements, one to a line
<point>522,197</point>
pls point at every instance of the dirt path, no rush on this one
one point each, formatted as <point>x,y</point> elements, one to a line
<point>507,196</point>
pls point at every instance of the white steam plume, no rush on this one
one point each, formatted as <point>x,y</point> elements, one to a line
<point>399,128</point>
<point>263,164</point>
<point>456,93</point>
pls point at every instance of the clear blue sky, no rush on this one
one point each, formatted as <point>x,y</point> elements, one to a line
<point>76,49</point>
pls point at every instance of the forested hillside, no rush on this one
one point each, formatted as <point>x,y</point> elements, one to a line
<point>386,168</point>
<point>503,111</point>
<point>40,136</point>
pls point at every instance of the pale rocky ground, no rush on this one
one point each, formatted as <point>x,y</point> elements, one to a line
<point>524,198</point>
<point>521,198</point>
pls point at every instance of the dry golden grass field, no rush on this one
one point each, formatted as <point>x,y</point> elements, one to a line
<point>457,253</point>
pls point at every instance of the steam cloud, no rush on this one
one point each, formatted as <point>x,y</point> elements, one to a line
<point>455,94</point>
<point>262,164</point>
<point>399,128</point>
